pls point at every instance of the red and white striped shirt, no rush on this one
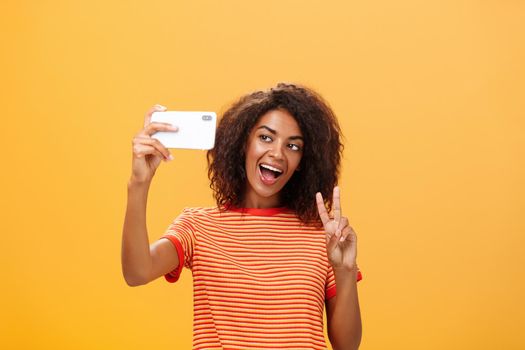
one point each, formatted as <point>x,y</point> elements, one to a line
<point>260,278</point>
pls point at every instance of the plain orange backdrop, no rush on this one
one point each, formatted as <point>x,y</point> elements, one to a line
<point>430,95</point>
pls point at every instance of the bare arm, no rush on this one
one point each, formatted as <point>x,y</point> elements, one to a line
<point>343,314</point>
<point>142,262</point>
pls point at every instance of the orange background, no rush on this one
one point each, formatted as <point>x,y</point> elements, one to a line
<point>430,95</point>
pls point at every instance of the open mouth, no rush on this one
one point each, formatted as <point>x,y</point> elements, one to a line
<point>269,173</point>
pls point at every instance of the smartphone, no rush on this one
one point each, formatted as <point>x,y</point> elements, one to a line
<point>196,129</point>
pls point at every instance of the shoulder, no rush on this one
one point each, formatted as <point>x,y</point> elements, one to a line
<point>197,212</point>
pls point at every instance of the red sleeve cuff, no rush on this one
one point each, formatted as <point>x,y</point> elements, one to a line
<point>174,275</point>
<point>330,292</point>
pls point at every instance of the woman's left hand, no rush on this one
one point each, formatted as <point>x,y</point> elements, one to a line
<point>341,240</point>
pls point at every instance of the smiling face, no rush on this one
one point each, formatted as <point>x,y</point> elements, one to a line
<point>273,152</point>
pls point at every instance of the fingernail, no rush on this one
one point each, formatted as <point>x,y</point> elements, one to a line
<point>160,107</point>
<point>170,157</point>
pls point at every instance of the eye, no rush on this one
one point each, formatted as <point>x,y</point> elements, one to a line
<point>294,147</point>
<point>265,138</point>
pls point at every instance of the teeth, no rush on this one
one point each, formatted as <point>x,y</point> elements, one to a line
<point>271,168</point>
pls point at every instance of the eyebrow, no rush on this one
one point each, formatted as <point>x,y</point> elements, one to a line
<point>275,133</point>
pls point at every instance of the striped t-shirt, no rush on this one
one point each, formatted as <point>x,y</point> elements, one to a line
<point>260,278</point>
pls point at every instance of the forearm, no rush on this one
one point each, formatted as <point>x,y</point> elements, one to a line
<point>345,324</point>
<point>136,258</point>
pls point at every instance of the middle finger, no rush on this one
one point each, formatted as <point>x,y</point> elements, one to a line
<point>336,199</point>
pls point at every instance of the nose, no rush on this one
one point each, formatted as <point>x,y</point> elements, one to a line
<point>276,151</point>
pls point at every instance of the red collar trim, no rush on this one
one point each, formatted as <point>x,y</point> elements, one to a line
<point>260,211</point>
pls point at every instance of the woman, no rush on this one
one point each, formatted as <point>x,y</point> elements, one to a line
<point>268,258</point>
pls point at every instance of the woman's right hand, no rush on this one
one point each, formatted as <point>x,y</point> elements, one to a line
<point>147,151</point>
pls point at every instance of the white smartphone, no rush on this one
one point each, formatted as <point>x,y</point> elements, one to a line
<point>196,129</point>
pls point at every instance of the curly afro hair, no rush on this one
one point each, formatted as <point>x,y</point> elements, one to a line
<point>321,158</point>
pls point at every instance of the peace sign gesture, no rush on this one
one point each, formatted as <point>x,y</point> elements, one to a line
<point>341,240</point>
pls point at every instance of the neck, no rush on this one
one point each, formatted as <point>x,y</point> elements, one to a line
<point>251,201</point>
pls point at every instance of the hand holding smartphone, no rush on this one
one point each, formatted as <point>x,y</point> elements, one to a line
<point>196,130</point>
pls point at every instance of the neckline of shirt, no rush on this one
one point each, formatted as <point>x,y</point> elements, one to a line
<point>260,211</point>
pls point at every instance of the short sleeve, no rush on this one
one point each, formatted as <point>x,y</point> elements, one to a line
<point>330,288</point>
<point>182,234</point>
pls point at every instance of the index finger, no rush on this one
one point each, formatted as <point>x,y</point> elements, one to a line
<point>156,108</point>
<point>321,208</point>
<point>336,199</point>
